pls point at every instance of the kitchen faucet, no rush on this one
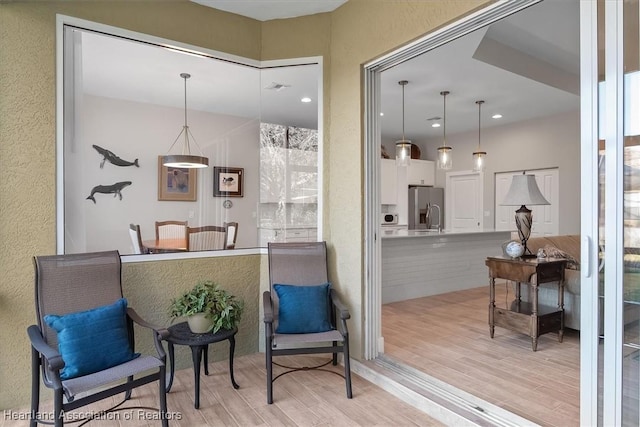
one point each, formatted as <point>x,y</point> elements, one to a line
<point>437,226</point>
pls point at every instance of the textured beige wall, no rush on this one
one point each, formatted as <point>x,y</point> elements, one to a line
<point>27,158</point>
<point>354,34</point>
<point>149,287</point>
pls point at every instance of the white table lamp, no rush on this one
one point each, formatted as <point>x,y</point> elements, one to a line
<point>524,191</point>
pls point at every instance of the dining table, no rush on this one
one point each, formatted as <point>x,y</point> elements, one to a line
<point>166,245</point>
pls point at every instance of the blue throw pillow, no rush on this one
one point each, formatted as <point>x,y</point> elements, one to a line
<point>303,309</point>
<point>92,340</point>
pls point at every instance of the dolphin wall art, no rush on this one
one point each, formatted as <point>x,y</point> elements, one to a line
<point>113,159</point>
<point>114,189</point>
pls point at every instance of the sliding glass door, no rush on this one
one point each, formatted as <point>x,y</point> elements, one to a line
<point>610,337</point>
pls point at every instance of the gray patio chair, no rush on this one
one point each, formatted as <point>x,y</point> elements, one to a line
<point>83,323</point>
<point>301,310</point>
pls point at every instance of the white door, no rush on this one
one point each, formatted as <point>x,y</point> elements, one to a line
<point>545,218</point>
<point>463,201</point>
<point>610,372</point>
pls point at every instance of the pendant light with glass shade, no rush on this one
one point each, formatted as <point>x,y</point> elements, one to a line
<point>403,146</point>
<point>444,151</point>
<point>479,155</point>
<point>185,159</point>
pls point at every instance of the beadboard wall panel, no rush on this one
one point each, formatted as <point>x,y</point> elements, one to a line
<point>421,266</point>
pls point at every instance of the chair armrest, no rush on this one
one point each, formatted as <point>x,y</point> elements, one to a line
<point>158,333</point>
<point>267,307</point>
<point>337,302</point>
<point>49,353</point>
<point>162,332</point>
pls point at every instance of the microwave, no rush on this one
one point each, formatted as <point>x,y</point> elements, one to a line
<point>389,219</point>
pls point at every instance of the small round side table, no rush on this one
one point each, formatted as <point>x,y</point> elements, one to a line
<point>180,334</point>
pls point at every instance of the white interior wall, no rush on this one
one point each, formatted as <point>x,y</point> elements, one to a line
<point>144,131</point>
<point>534,144</point>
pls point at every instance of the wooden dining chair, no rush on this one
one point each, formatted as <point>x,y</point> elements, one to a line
<point>171,230</point>
<point>206,238</point>
<point>232,234</point>
<point>136,239</point>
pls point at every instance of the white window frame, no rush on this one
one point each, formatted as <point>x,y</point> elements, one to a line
<point>63,20</point>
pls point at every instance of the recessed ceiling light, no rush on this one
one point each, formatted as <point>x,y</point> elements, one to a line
<point>496,116</point>
<point>435,125</point>
<point>306,99</point>
<point>382,114</point>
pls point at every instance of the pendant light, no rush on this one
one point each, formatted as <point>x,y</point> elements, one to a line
<point>403,146</point>
<point>185,159</point>
<point>444,151</point>
<point>479,155</point>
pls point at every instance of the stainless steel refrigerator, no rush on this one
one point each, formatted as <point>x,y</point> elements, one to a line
<point>426,207</point>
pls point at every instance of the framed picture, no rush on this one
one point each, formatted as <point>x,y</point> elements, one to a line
<point>227,182</point>
<point>176,184</point>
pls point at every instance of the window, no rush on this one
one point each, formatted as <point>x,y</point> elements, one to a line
<point>125,103</point>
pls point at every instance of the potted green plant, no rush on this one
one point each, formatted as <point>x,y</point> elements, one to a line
<point>207,307</point>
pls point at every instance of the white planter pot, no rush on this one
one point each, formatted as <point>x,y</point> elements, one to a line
<point>199,323</point>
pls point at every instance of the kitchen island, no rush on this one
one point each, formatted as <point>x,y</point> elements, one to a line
<point>419,263</point>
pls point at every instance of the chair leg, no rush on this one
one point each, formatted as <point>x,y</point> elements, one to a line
<point>57,408</point>
<point>35,387</point>
<point>334,361</point>
<point>127,394</point>
<point>347,366</point>
<point>268,356</point>
<point>163,396</point>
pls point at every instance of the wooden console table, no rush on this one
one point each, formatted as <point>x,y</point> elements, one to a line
<point>527,318</point>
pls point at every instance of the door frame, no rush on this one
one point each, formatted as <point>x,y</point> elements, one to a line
<point>372,339</point>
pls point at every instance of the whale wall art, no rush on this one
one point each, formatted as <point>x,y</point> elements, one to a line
<point>112,158</point>
<point>115,189</point>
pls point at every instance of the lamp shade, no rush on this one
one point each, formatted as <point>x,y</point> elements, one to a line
<point>403,146</point>
<point>185,161</point>
<point>403,152</point>
<point>524,191</point>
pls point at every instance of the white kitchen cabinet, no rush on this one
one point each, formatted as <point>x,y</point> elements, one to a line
<point>287,235</point>
<point>296,235</point>
<point>421,172</point>
<point>388,182</point>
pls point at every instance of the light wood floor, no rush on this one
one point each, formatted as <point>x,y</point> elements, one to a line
<point>447,336</point>
<point>304,398</point>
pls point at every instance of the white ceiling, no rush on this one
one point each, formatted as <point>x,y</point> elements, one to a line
<point>523,67</point>
<point>140,72</point>
<point>265,10</point>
